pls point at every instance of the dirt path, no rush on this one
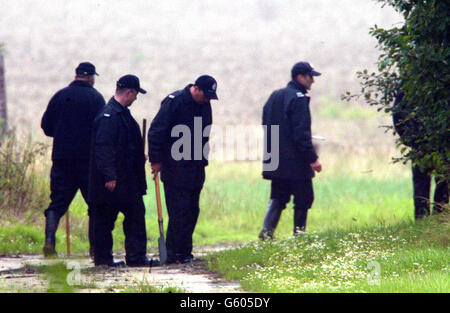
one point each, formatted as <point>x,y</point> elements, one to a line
<point>23,273</point>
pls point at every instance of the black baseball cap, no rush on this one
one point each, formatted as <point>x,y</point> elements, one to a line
<point>208,85</point>
<point>130,81</point>
<point>303,68</point>
<point>86,69</point>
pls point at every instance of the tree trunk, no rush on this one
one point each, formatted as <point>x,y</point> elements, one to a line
<point>3,114</point>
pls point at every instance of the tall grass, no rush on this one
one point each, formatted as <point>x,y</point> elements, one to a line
<point>22,193</point>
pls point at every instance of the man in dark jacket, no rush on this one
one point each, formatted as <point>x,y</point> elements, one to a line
<point>409,130</point>
<point>290,158</point>
<point>178,146</point>
<point>68,119</point>
<point>117,177</point>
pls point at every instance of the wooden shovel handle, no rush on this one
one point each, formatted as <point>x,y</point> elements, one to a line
<point>158,196</point>
<point>157,190</point>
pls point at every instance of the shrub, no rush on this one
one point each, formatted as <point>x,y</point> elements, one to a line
<point>414,59</point>
<point>22,191</point>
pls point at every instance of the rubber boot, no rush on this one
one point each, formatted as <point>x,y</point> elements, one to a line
<point>300,216</point>
<point>273,215</point>
<point>51,225</point>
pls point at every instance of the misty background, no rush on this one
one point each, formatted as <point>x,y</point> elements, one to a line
<point>248,46</point>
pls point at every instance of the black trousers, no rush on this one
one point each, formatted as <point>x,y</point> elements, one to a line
<point>105,215</point>
<point>301,190</point>
<point>66,178</point>
<point>183,209</point>
<point>422,187</point>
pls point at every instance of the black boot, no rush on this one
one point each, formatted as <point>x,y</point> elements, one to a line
<point>300,216</point>
<point>273,215</point>
<point>143,262</point>
<point>51,225</point>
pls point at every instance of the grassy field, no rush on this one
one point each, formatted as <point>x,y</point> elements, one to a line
<point>233,204</point>
<point>405,257</point>
<point>361,232</point>
<point>358,188</point>
<point>363,209</point>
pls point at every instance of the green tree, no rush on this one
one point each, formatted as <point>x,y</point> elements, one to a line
<point>414,58</point>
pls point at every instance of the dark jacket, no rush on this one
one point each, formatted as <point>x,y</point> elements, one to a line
<point>180,109</point>
<point>117,154</point>
<point>289,109</point>
<point>68,119</point>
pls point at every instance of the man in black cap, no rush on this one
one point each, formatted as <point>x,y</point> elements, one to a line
<point>68,119</point>
<point>287,119</point>
<point>184,117</point>
<point>117,177</point>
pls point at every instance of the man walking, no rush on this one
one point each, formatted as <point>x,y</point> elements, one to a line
<point>287,119</point>
<point>117,177</point>
<point>177,141</point>
<point>68,119</point>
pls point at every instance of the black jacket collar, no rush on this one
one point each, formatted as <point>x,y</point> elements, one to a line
<point>296,85</point>
<point>80,83</point>
<point>117,106</point>
<point>187,96</point>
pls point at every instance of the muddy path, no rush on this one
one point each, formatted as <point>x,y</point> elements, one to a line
<point>23,273</point>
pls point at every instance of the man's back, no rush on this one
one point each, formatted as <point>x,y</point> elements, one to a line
<point>68,119</point>
<point>288,108</point>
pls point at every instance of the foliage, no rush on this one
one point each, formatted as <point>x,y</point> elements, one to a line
<point>414,59</point>
<point>20,239</point>
<point>22,193</point>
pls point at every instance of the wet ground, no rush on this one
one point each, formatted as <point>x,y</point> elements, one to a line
<point>23,273</point>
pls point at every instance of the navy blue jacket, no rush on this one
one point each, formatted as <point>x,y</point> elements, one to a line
<point>68,119</point>
<point>289,109</point>
<point>180,109</point>
<point>117,154</point>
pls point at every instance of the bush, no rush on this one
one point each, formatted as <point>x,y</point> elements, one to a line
<point>22,191</point>
<point>414,59</point>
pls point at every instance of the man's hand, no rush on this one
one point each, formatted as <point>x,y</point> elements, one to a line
<point>316,166</point>
<point>111,185</point>
<point>156,168</point>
